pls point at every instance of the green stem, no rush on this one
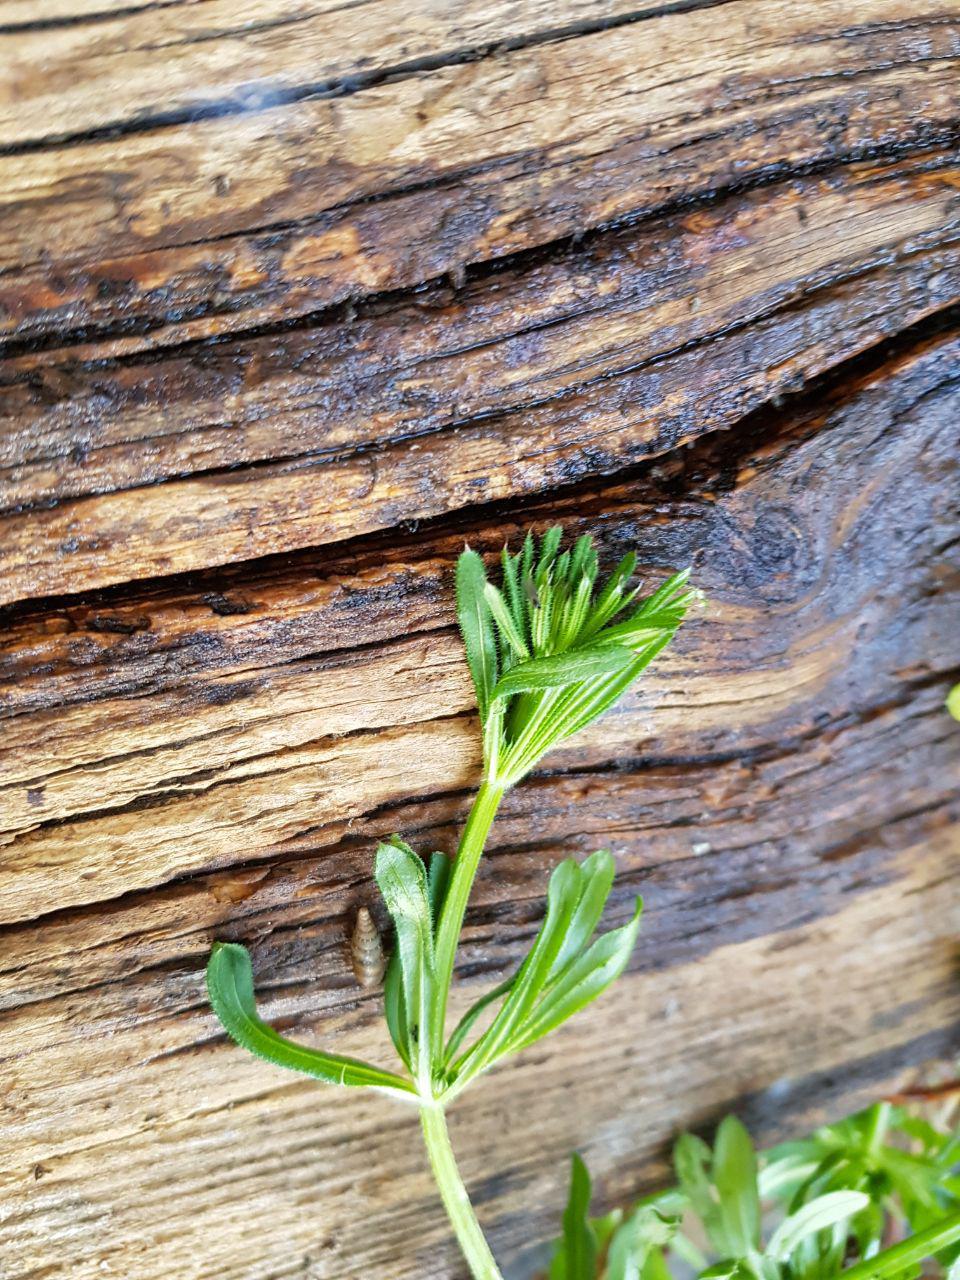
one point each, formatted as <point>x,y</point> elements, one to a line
<point>907,1253</point>
<point>454,1196</point>
<point>879,1123</point>
<point>474,837</point>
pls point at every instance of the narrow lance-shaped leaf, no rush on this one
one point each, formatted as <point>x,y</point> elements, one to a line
<point>438,881</point>
<point>579,1240</point>
<point>476,626</point>
<point>562,897</point>
<point>402,878</point>
<point>557,670</point>
<point>611,598</point>
<point>394,1009</point>
<point>597,873</point>
<point>468,1021</point>
<point>504,619</point>
<point>549,546</point>
<point>513,591</point>
<point>583,561</point>
<point>584,980</point>
<point>820,1214</point>
<point>230,984</point>
<point>735,1177</point>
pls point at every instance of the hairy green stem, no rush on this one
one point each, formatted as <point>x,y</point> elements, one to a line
<point>907,1253</point>
<point>479,822</point>
<point>454,1195</point>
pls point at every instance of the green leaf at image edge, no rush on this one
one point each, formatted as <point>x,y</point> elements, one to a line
<point>230,985</point>
<point>735,1177</point>
<point>579,1238</point>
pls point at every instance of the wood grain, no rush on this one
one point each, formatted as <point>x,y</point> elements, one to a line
<point>294,300</point>
<point>199,227</point>
<point>228,765</point>
<point>548,379</point>
<point>68,76</point>
<point>178,1173</point>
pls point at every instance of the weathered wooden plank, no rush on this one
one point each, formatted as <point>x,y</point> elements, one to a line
<point>197,228</point>
<point>65,76</point>
<point>152,1147</point>
<point>825,809</point>
<point>325,279</point>
<point>220,733</point>
<point>307,437</point>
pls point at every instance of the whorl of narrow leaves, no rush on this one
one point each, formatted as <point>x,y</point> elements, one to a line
<point>549,651</point>
<point>836,1195</point>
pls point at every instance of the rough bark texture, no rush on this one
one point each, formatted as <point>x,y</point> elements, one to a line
<point>294,299</point>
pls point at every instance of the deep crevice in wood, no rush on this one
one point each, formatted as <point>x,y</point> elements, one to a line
<point>761,423</point>
<point>475,272</point>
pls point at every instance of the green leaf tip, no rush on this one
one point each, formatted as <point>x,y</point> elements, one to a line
<point>549,651</point>
<point>406,888</point>
<point>567,968</point>
<point>230,986</point>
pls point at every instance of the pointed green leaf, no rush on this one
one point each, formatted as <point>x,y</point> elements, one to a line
<point>819,1215</point>
<point>466,1023</point>
<point>672,589</point>
<point>525,565</point>
<point>584,980</point>
<point>476,626</point>
<point>394,1009</point>
<point>513,590</point>
<point>563,895</point>
<point>583,561</point>
<point>505,622</point>
<point>402,878</point>
<point>230,984</point>
<point>735,1177</point>
<point>557,670</point>
<point>549,546</point>
<point>597,880</point>
<point>611,599</point>
<point>590,700</point>
<point>438,881</point>
<point>579,1240</point>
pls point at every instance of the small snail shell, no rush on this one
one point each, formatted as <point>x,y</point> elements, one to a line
<point>366,951</point>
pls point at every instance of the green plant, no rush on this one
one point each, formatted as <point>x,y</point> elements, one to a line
<point>549,652</point>
<point>800,1212</point>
